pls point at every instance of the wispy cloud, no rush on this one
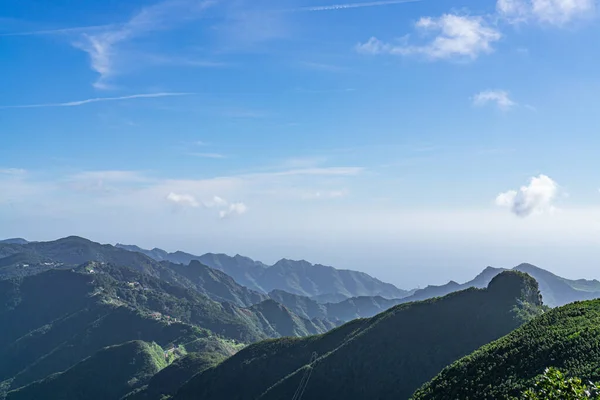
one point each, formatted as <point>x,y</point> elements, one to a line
<point>554,12</point>
<point>100,99</point>
<point>209,155</point>
<point>103,47</point>
<point>500,98</point>
<point>334,7</point>
<point>458,36</point>
<point>62,31</point>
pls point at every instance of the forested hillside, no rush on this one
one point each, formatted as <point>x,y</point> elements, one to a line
<point>387,356</point>
<point>109,374</point>
<point>55,319</point>
<point>567,338</point>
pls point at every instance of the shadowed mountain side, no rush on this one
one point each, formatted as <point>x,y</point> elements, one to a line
<point>109,374</point>
<point>57,318</point>
<point>387,356</point>
<point>36,257</point>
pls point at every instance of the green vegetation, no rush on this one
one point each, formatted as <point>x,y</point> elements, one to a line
<point>567,338</point>
<point>387,356</point>
<point>109,374</point>
<point>166,382</point>
<point>58,318</point>
<point>553,385</point>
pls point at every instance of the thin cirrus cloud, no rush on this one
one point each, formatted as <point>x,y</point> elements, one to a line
<point>103,47</point>
<point>553,12</point>
<point>59,31</point>
<point>535,198</point>
<point>499,98</point>
<point>456,36</point>
<point>334,7</point>
<point>101,99</point>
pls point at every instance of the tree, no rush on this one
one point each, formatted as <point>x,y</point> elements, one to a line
<point>554,385</point>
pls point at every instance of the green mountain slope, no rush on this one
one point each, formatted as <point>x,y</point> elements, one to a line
<point>216,284</point>
<point>36,257</point>
<point>169,380</point>
<point>55,319</point>
<point>387,356</point>
<point>109,374</point>
<point>567,338</point>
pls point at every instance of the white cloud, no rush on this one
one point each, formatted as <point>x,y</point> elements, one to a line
<point>103,47</point>
<point>226,209</point>
<point>183,199</point>
<point>234,208</point>
<point>535,198</point>
<point>100,99</point>
<point>463,37</point>
<point>555,12</point>
<point>500,97</point>
<point>216,202</point>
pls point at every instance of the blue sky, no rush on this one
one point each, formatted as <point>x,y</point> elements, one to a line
<point>419,141</point>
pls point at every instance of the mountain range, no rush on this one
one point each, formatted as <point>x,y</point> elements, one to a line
<point>556,291</point>
<point>57,318</point>
<point>296,277</point>
<point>388,356</point>
<point>82,320</point>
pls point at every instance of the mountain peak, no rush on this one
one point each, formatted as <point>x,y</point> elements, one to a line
<point>516,285</point>
<point>14,241</point>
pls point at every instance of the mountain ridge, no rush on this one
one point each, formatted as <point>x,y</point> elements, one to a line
<point>297,277</point>
<point>364,358</point>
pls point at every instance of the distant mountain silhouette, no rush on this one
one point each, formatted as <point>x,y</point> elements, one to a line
<point>14,241</point>
<point>296,277</point>
<point>556,291</point>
